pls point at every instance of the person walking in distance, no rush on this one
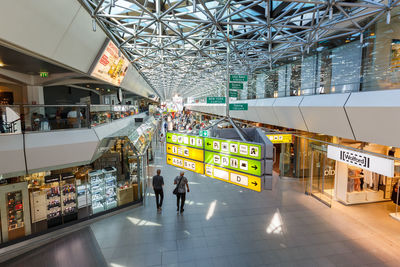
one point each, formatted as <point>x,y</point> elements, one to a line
<point>181,181</point>
<point>158,183</point>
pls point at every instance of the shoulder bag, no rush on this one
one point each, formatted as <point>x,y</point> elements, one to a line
<point>177,186</point>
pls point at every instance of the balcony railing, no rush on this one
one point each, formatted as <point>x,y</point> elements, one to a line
<point>30,118</point>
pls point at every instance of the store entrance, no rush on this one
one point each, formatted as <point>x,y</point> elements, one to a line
<point>322,176</point>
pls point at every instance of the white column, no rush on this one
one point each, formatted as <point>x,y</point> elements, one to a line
<point>35,95</point>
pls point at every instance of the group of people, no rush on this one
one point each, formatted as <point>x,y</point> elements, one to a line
<point>182,186</point>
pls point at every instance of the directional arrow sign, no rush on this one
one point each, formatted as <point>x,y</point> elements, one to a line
<point>186,164</point>
<point>232,177</point>
<point>244,165</point>
<point>185,140</point>
<point>186,152</point>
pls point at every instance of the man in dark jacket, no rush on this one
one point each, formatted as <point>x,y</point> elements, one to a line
<point>158,183</point>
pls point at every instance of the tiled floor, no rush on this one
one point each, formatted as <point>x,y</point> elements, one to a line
<point>225,225</point>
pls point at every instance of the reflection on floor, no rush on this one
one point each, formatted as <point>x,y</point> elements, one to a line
<point>76,249</point>
<point>225,225</point>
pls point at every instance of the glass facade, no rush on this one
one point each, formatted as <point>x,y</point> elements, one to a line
<point>339,66</point>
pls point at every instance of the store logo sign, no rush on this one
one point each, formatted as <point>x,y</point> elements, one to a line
<point>355,158</point>
<point>365,161</point>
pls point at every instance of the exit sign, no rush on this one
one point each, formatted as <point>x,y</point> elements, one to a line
<point>44,74</point>
<point>203,133</point>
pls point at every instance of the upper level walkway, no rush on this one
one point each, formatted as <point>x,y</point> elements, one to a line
<point>224,225</point>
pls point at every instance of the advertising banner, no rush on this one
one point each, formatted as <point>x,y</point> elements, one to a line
<point>111,66</point>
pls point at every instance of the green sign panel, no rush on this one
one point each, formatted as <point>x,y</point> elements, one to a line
<point>203,133</point>
<point>239,106</point>
<point>244,165</point>
<point>231,147</point>
<point>236,86</point>
<point>184,139</point>
<point>215,99</point>
<point>238,78</point>
<point>233,94</point>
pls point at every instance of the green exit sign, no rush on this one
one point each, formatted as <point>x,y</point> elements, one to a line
<point>233,94</point>
<point>236,86</point>
<point>239,106</point>
<point>237,78</point>
<point>203,133</point>
<point>215,100</point>
<point>44,74</point>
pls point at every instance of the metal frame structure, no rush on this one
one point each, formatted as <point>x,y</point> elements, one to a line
<point>182,46</point>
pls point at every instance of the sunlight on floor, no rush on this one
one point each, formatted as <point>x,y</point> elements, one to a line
<point>276,224</point>
<point>193,183</point>
<point>140,222</point>
<point>116,265</point>
<point>211,210</point>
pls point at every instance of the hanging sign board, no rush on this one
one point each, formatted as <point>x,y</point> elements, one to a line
<point>186,164</point>
<point>215,100</point>
<point>245,165</point>
<point>184,139</point>
<point>239,106</point>
<point>280,138</point>
<point>233,94</point>
<point>237,78</point>
<point>236,86</point>
<point>186,152</point>
<point>362,160</point>
<point>235,148</point>
<point>240,179</point>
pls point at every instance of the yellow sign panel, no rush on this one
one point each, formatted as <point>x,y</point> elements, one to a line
<point>186,152</point>
<point>236,178</point>
<point>280,138</point>
<point>186,164</point>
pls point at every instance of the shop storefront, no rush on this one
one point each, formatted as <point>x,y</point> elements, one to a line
<point>39,202</point>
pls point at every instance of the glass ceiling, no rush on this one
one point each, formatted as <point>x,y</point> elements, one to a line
<point>183,46</point>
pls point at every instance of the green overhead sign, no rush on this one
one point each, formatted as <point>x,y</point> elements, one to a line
<point>236,86</point>
<point>237,78</point>
<point>233,94</point>
<point>239,106</point>
<point>203,133</point>
<point>244,165</point>
<point>235,148</point>
<point>186,140</point>
<point>215,100</point>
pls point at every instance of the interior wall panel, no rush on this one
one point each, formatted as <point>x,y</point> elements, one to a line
<point>326,114</point>
<point>59,148</point>
<point>288,112</point>
<point>374,116</point>
<point>80,45</point>
<point>265,111</point>
<point>12,159</point>
<point>35,25</point>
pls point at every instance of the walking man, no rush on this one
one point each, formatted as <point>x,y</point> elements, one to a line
<point>158,183</point>
<point>181,181</point>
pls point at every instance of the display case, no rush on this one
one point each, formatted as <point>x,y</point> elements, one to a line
<point>53,205</point>
<point>68,197</point>
<point>96,179</point>
<point>110,182</point>
<point>14,211</point>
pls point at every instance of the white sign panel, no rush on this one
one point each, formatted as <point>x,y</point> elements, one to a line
<point>364,161</point>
